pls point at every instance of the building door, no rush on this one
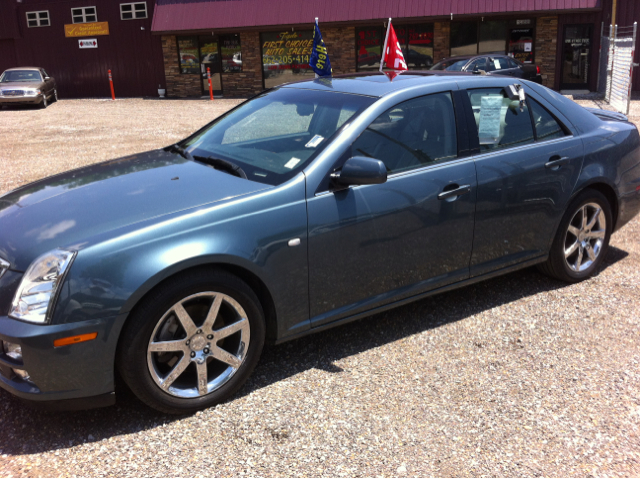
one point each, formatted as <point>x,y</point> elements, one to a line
<point>576,57</point>
<point>210,58</point>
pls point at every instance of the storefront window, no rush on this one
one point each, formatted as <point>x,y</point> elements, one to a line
<point>416,42</point>
<point>285,56</point>
<point>231,53</point>
<point>188,55</point>
<point>369,45</point>
<point>493,37</point>
<point>464,38</point>
<point>419,51</point>
<point>521,44</point>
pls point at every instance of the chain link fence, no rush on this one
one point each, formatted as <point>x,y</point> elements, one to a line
<point>615,69</point>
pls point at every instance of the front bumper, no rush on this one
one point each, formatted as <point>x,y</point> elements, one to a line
<point>21,100</point>
<point>68,373</point>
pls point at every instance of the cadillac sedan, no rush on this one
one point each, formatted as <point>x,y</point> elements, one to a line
<point>308,206</point>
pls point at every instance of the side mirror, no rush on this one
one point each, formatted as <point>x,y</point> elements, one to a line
<point>47,78</point>
<point>360,170</point>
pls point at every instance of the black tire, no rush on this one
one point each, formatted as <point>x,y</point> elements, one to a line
<point>557,265</point>
<point>132,354</point>
<point>55,95</point>
<point>44,103</point>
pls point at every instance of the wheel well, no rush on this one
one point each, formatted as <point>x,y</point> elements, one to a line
<point>611,196</point>
<point>254,282</point>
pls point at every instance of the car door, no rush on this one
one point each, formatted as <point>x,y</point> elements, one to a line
<point>526,174</point>
<point>374,244</point>
<point>48,84</point>
<point>501,66</point>
<point>479,63</point>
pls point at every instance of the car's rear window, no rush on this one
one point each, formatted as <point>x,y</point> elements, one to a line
<point>273,136</point>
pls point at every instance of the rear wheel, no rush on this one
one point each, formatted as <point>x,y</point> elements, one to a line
<point>582,239</point>
<point>55,95</point>
<point>193,343</point>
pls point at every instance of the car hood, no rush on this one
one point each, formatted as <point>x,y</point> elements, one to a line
<point>67,209</point>
<point>20,85</point>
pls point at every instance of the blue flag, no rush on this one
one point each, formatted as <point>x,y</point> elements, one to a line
<point>319,60</point>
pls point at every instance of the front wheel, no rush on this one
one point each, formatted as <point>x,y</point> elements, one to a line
<point>193,343</point>
<point>44,103</point>
<point>582,238</point>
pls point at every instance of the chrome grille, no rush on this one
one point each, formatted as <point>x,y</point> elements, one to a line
<point>13,92</point>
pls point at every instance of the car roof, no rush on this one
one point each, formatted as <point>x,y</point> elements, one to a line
<point>23,68</point>
<point>469,57</point>
<point>376,84</point>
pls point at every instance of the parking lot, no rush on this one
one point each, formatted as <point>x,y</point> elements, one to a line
<point>521,375</point>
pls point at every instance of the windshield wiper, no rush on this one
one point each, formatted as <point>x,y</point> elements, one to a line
<point>179,150</point>
<point>222,165</point>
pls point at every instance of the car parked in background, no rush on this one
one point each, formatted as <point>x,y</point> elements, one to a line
<point>308,206</point>
<point>27,86</point>
<point>491,64</point>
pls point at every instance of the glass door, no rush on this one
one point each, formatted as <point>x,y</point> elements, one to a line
<point>210,58</point>
<point>576,57</point>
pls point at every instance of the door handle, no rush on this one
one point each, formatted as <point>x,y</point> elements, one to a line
<point>455,192</point>
<point>555,162</point>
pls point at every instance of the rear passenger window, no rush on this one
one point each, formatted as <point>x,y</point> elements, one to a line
<point>547,127</point>
<point>411,135</point>
<point>500,122</point>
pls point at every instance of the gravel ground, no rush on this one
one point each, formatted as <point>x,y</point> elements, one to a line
<point>517,376</point>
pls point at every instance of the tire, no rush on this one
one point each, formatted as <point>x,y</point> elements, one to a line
<point>44,103</point>
<point>55,95</point>
<point>578,247</point>
<point>168,374</point>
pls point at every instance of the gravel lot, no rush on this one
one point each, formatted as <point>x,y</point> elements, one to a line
<point>517,376</point>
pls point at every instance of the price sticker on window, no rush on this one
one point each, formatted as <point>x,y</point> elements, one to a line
<point>489,123</point>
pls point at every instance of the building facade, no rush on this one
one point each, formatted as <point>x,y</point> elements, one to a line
<point>248,45</point>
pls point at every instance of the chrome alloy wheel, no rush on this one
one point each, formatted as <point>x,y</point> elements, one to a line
<point>585,236</point>
<point>198,345</point>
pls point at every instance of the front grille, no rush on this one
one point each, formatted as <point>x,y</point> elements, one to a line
<point>13,92</point>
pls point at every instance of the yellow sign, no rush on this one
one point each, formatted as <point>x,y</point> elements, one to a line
<point>86,29</point>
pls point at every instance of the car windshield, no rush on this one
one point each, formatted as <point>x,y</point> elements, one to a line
<point>276,134</point>
<point>450,65</point>
<point>20,75</point>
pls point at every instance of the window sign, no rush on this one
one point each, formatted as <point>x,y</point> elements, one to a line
<point>188,54</point>
<point>521,44</point>
<point>369,45</point>
<point>285,56</point>
<point>419,51</point>
<point>231,53</point>
<point>489,122</point>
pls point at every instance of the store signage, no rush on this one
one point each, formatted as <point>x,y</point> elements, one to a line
<point>88,43</point>
<point>523,22</point>
<point>86,29</point>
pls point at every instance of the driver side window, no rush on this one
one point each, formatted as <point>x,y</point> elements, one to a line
<point>413,134</point>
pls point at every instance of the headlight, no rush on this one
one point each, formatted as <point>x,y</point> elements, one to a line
<point>36,294</point>
<point>32,92</point>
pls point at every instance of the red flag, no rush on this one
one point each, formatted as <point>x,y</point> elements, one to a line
<point>393,57</point>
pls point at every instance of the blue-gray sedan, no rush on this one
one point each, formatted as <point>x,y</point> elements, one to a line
<point>310,205</point>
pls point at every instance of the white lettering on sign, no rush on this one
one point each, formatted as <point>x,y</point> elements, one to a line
<point>88,43</point>
<point>523,22</point>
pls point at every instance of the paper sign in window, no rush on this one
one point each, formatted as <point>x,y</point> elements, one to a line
<point>496,63</point>
<point>489,123</point>
<point>527,47</point>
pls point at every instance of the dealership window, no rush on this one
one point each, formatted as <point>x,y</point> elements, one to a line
<point>84,15</point>
<point>416,42</point>
<point>38,19</point>
<point>188,55</point>
<point>231,53</point>
<point>132,11</point>
<point>285,56</point>
<point>472,38</point>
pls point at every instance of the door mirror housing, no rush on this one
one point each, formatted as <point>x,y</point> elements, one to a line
<point>47,78</point>
<point>360,170</point>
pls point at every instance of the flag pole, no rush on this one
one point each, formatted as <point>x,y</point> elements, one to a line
<point>384,49</point>
<point>314,34</point>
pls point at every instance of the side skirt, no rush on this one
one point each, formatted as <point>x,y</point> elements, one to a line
<point>417,297</point>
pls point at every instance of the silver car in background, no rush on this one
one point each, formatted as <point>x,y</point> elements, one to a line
<point>27,86</point>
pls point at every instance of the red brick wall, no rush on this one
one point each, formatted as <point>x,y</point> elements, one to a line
<point>341,45</point>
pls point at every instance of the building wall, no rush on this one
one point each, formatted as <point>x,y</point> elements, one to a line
<point>546,48</point>
<point>178,85</point>
<point>341,45</point>
<point>441,37</point>
<point>249,81</point>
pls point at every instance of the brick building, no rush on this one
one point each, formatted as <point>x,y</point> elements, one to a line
<point>249,45</point>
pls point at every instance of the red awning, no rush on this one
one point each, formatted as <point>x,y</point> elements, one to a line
<point>180,15</point>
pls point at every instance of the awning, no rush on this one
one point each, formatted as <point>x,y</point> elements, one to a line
<point>182,15</point>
